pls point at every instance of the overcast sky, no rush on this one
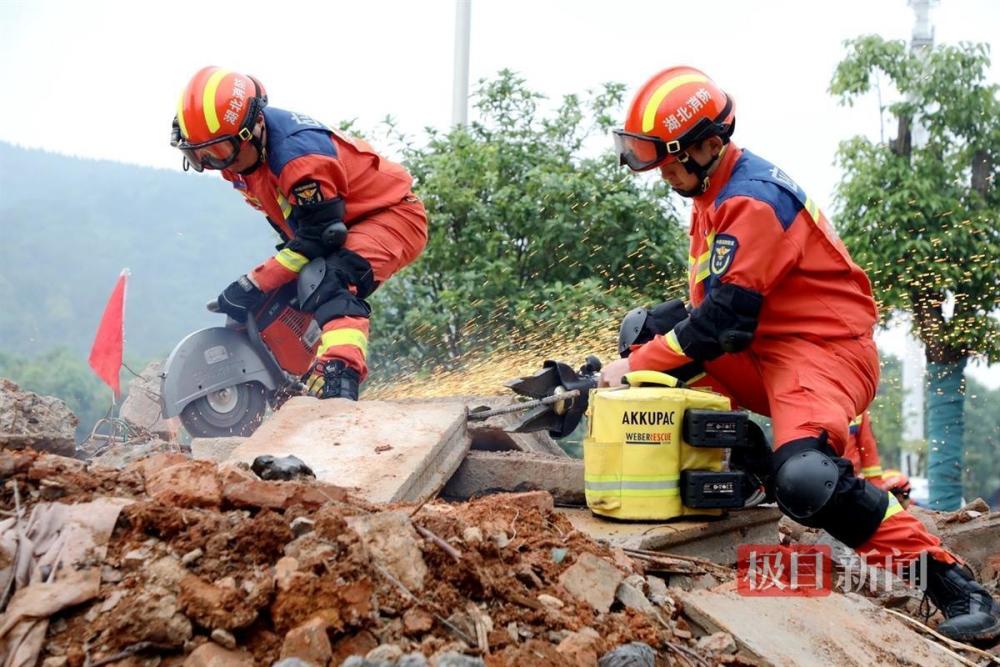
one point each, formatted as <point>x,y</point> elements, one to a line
<point>101,79</point>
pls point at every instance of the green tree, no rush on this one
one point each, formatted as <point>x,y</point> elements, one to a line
<point>924,220</point>
<point>887,412</point>
<point>536,233</point>
<point>982,442</point>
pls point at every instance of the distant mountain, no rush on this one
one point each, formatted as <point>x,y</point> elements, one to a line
<point>72,224</point>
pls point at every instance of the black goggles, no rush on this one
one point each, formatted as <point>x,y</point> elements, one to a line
<point>219,153</point>
<point>641,152</point>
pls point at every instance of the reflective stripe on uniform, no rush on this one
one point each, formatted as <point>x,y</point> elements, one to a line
<point>893,508</point>
<point>872,471</point>
<point>813,210</point>
<point>671,340</point>
<point>208,99</point>
<point>291,260</point>
<point>700,266</point>
<point>343,337</point>
<point>286,208</point>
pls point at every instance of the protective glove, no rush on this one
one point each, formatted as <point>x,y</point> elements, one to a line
<point>755,459</point>
<point>239,298</point>
<point>332,379</point>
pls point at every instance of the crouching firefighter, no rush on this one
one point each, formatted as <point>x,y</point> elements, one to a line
<point>327,196</point>
<point>779,319</point>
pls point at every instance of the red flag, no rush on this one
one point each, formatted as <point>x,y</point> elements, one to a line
<point>106,353</point>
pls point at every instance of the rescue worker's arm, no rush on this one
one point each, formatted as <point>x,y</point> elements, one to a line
<point>871,465</point>
<point>313,185</point>
<point>752,251</point>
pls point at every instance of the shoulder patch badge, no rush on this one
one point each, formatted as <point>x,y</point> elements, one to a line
<point>784,178</point>
<point>723,251</point>
<point>307,192</point>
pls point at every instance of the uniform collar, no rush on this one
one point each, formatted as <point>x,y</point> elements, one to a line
<point>719,177</point>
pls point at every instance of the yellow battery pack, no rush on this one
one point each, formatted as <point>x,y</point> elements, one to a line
<point>634,450</point>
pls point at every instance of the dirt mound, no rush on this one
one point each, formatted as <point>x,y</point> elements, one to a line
<point>210,564</point>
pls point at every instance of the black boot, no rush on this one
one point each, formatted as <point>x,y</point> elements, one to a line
<point>340,381</point>
<point>971,612</point>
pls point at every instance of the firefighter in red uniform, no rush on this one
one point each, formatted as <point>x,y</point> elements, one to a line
<point>862,450</point>
<point>780,319</point>
<point>898,484</point>
<point>325,194</point>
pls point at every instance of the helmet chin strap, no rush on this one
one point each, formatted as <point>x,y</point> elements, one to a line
<point>257,141</point>
<point>700,171</point>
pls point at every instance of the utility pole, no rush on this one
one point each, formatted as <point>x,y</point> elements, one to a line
<point>460,90</point>
<point>914,358</point>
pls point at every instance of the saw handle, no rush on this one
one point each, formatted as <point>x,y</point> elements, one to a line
<point>655,378</point>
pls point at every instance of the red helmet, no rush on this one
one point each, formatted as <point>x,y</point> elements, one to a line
<point>672,111</point>
<point>215,115</point>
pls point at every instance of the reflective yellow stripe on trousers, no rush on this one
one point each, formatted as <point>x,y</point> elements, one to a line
<point>343,337</point>
<point>893,508</point>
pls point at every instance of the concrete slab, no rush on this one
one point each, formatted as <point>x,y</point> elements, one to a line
<point>715,540</point>
<point>491,436</point>
<point>797,631</point>
<point>483,473</point>
<point>387,451</point>
<point>214,449</point>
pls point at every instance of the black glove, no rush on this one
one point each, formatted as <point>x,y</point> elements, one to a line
<point>755,459</point>
<point>240,297</point>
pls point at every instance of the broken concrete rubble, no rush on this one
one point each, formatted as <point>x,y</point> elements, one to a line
<point>187,484</point>
<point>392,542</point>
<point>308,642</point>
<point>593,580</point>
<point>214,449</point>
<point>212,565</point>
<point>362,577</point>
<point>43,423</point>
<point>141,406</point>
<point>482,473</point>
<point>971,531</point>
<point>491,435</point>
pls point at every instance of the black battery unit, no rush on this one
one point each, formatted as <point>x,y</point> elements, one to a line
<point>715,428</point>
<point>707,489</point>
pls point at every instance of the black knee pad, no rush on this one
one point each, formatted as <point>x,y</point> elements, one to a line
<point>818,489</point>
<point>333,297</point>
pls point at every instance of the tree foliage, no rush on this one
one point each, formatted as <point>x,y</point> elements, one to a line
<point>982,442</point>
<point>924,220</point>
<point>887,411</point>
<point>533,227</point>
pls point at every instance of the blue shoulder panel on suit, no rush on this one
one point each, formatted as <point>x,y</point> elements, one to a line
<point>758,179</point>
<point>292,135</point>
